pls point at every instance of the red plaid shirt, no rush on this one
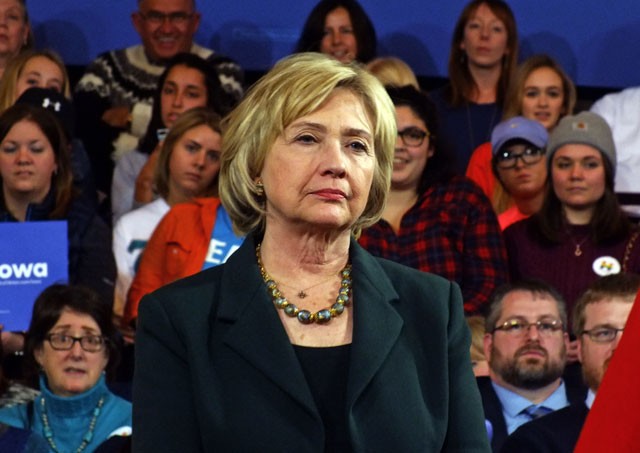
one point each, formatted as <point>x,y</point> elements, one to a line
<point>453,232</point>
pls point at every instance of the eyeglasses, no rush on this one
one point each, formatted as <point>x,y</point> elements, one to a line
<point>158,18</point>
<point>412,136</point>
<point>518,327</point>
<point>62,342</point>
<point>508,159</point>
<point>602,334</point>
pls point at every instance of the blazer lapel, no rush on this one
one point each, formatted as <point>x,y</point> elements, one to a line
<point>377,325</point>
<point>257,333</point>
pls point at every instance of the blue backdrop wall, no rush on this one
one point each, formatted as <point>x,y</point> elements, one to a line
<point>596,41</point>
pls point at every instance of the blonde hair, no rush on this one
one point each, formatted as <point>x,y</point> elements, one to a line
<point>476,326</point>
<point>14,69</point>
<point>188,120</point>
<point>393,71</point>
<point>296,86</point>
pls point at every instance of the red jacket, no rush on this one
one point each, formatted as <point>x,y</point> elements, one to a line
<point>176,249</point>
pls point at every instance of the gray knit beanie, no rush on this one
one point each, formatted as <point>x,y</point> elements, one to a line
<point>586,128</point>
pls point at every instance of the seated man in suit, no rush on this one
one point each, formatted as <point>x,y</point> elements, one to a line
<point>599,318</point>
<point>526,345</point>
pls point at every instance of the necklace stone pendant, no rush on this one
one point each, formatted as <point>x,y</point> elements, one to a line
<point>305,316</point>
<point>578,250</point>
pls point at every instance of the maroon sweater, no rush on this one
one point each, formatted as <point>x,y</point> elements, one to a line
<point>531,256</point>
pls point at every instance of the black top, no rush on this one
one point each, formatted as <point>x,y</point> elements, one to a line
<point>326,371</point>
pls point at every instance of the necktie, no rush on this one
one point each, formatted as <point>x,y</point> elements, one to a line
<point>535,412</point>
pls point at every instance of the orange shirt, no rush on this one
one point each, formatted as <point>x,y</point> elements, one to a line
<point>176,249</point>
<point>511,215</point>
<point>479,169</point>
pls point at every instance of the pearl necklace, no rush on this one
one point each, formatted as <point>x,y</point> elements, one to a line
<point>305,316</point>
<point>86,439</point>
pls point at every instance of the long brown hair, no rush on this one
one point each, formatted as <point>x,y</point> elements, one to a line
<point>462,86</point>
<point>608,223</point>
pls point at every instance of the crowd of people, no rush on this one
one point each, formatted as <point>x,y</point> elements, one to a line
<point>321,261</point>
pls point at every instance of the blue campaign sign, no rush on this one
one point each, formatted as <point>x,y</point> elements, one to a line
<point>33,255</point>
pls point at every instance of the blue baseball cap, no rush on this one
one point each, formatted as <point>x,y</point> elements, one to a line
<point>518,128</point>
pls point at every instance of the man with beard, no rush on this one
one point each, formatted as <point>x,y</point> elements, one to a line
<point>599,319</point>
<point>526,345</point>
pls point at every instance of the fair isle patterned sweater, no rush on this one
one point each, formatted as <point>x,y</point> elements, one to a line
<point>127,77</point>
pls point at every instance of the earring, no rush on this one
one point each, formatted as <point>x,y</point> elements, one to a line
<point>259,187</point>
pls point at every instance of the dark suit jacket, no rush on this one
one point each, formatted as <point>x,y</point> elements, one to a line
<point>493,408</point>
<point>556,432</point>
<point>215,370</point>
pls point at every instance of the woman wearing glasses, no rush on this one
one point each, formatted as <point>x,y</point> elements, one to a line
<point>520,166</point>
<point>71,340</point>
<point>580,233</point>
<point>541,91</point>
<point>434,221</point>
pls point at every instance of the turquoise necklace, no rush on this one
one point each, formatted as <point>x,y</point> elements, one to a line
<point>305,316</point>
<point>86,439</point>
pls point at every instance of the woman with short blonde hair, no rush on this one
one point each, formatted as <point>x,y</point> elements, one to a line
<point>301,334</point>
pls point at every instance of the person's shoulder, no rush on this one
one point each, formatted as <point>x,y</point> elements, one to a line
<point>619,102</point>
<point>467,186</point>
<point>119,403</point>
<point>189,300</point>
<point>462,191</point>
<point>202,283</point>
<point>15,415</point>
<point>405,278</point>
<point>157,207</point>
<point>398,274</point>
<point>631,93</point>
<point>202,52</point>
<point>521,227</point>
<point>192,208</point>
<point>485,386</point>
<point>131,160</point>
<point>112,55</point>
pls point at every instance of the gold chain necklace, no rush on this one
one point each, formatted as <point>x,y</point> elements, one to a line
<point>578,244</point>
<point>303,292</point>
<point>305,316</point>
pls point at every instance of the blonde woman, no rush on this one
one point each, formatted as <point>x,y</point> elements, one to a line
<point>302,335</point>
<point>33,68</point>
<point>183,172</point>
<point>393,71</point>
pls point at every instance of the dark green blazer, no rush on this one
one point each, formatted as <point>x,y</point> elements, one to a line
<point>215,370</point>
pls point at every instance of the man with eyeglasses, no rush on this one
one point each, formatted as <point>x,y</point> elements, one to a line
<point>599,318</point>
<point>526,346</point>
<point>520,166</point>
<point>115,95</point>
